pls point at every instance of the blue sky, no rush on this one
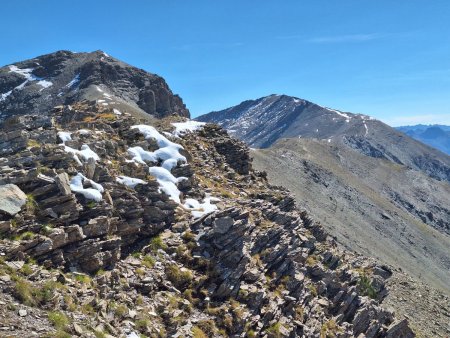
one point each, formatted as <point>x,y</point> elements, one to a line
<point>389,59</point>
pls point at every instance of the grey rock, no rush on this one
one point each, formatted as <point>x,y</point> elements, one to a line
<point>12,199</point>
<point>222,225</point>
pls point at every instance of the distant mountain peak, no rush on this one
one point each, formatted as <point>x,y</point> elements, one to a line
<point>64,77</point>
<point>263,121</point>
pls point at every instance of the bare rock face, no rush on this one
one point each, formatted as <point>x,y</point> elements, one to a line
<point>12,199</point>
<point>37,85</point>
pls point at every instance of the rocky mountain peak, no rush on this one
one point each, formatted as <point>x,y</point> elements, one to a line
<point>263,122</point>
<point>64,77</point>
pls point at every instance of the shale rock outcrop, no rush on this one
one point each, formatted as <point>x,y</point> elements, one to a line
<point>115,237</point>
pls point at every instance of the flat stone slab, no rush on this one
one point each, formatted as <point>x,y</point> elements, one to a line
<point>11,199</point>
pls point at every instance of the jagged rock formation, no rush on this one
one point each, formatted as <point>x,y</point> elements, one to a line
<point>244,263</point>
<point>37,85</point>
<point>262,122</point>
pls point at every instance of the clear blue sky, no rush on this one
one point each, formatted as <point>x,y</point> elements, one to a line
<point>389,59</point>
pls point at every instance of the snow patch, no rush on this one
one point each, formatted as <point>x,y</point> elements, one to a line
<point>347,117</point>
<point>86,152</point>
<point>74,81</point>
<point>140,155</point>
<point>5,95</point>
<point>169,152</point>
<point>200,209</point>
<point>64,136</point>
<point>117,111</point>
<point>186,127</point>
<point>44,84</point>
<point>167,182</point>
<point>93,193</point>
<point>129,181</point>
<point>26,72</point>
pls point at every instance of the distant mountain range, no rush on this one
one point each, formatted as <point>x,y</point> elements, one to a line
<point>381,192</point>
<point>436,136</point>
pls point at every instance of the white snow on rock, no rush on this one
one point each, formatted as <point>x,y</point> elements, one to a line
<point>129,181</point>
<point>186,127</point>
<point>5,95</point>
<point>347,117</point>
<point>26,72</point>
<point>140,155</point>
<point>168,152</point>
<point>167,182</point>
<point>74,81</point>
<point>85,153</point>
<point>117,111</point>
<point>200,209</point>
<point>84,132</point>
<point>94,193</point>
<point>365,127</point>
<point>132,335</point>
<point>45,84</point>
<point>64,136</point>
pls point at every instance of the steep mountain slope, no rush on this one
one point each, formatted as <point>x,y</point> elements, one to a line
<point>63,77</point>
<point>436,136</point>
<point>372,205</point>
<point>369,182</point>
<point>260,123</point>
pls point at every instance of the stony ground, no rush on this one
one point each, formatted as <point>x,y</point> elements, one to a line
<point>426,308</point>
<point>137,263</point>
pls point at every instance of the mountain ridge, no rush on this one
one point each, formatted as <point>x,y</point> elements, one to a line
<point>260,123</point>
<point>37,85</point>
<point>366,176</point>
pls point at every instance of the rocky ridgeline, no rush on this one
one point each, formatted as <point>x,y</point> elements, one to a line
<point>35,86</point>
<point>117,255</point>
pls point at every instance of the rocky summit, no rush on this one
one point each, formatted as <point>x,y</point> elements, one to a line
<point>262,122</point>
<point>115,224</point>
<point>39,84</point>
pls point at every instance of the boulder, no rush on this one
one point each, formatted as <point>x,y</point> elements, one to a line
<point>12,199</point>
